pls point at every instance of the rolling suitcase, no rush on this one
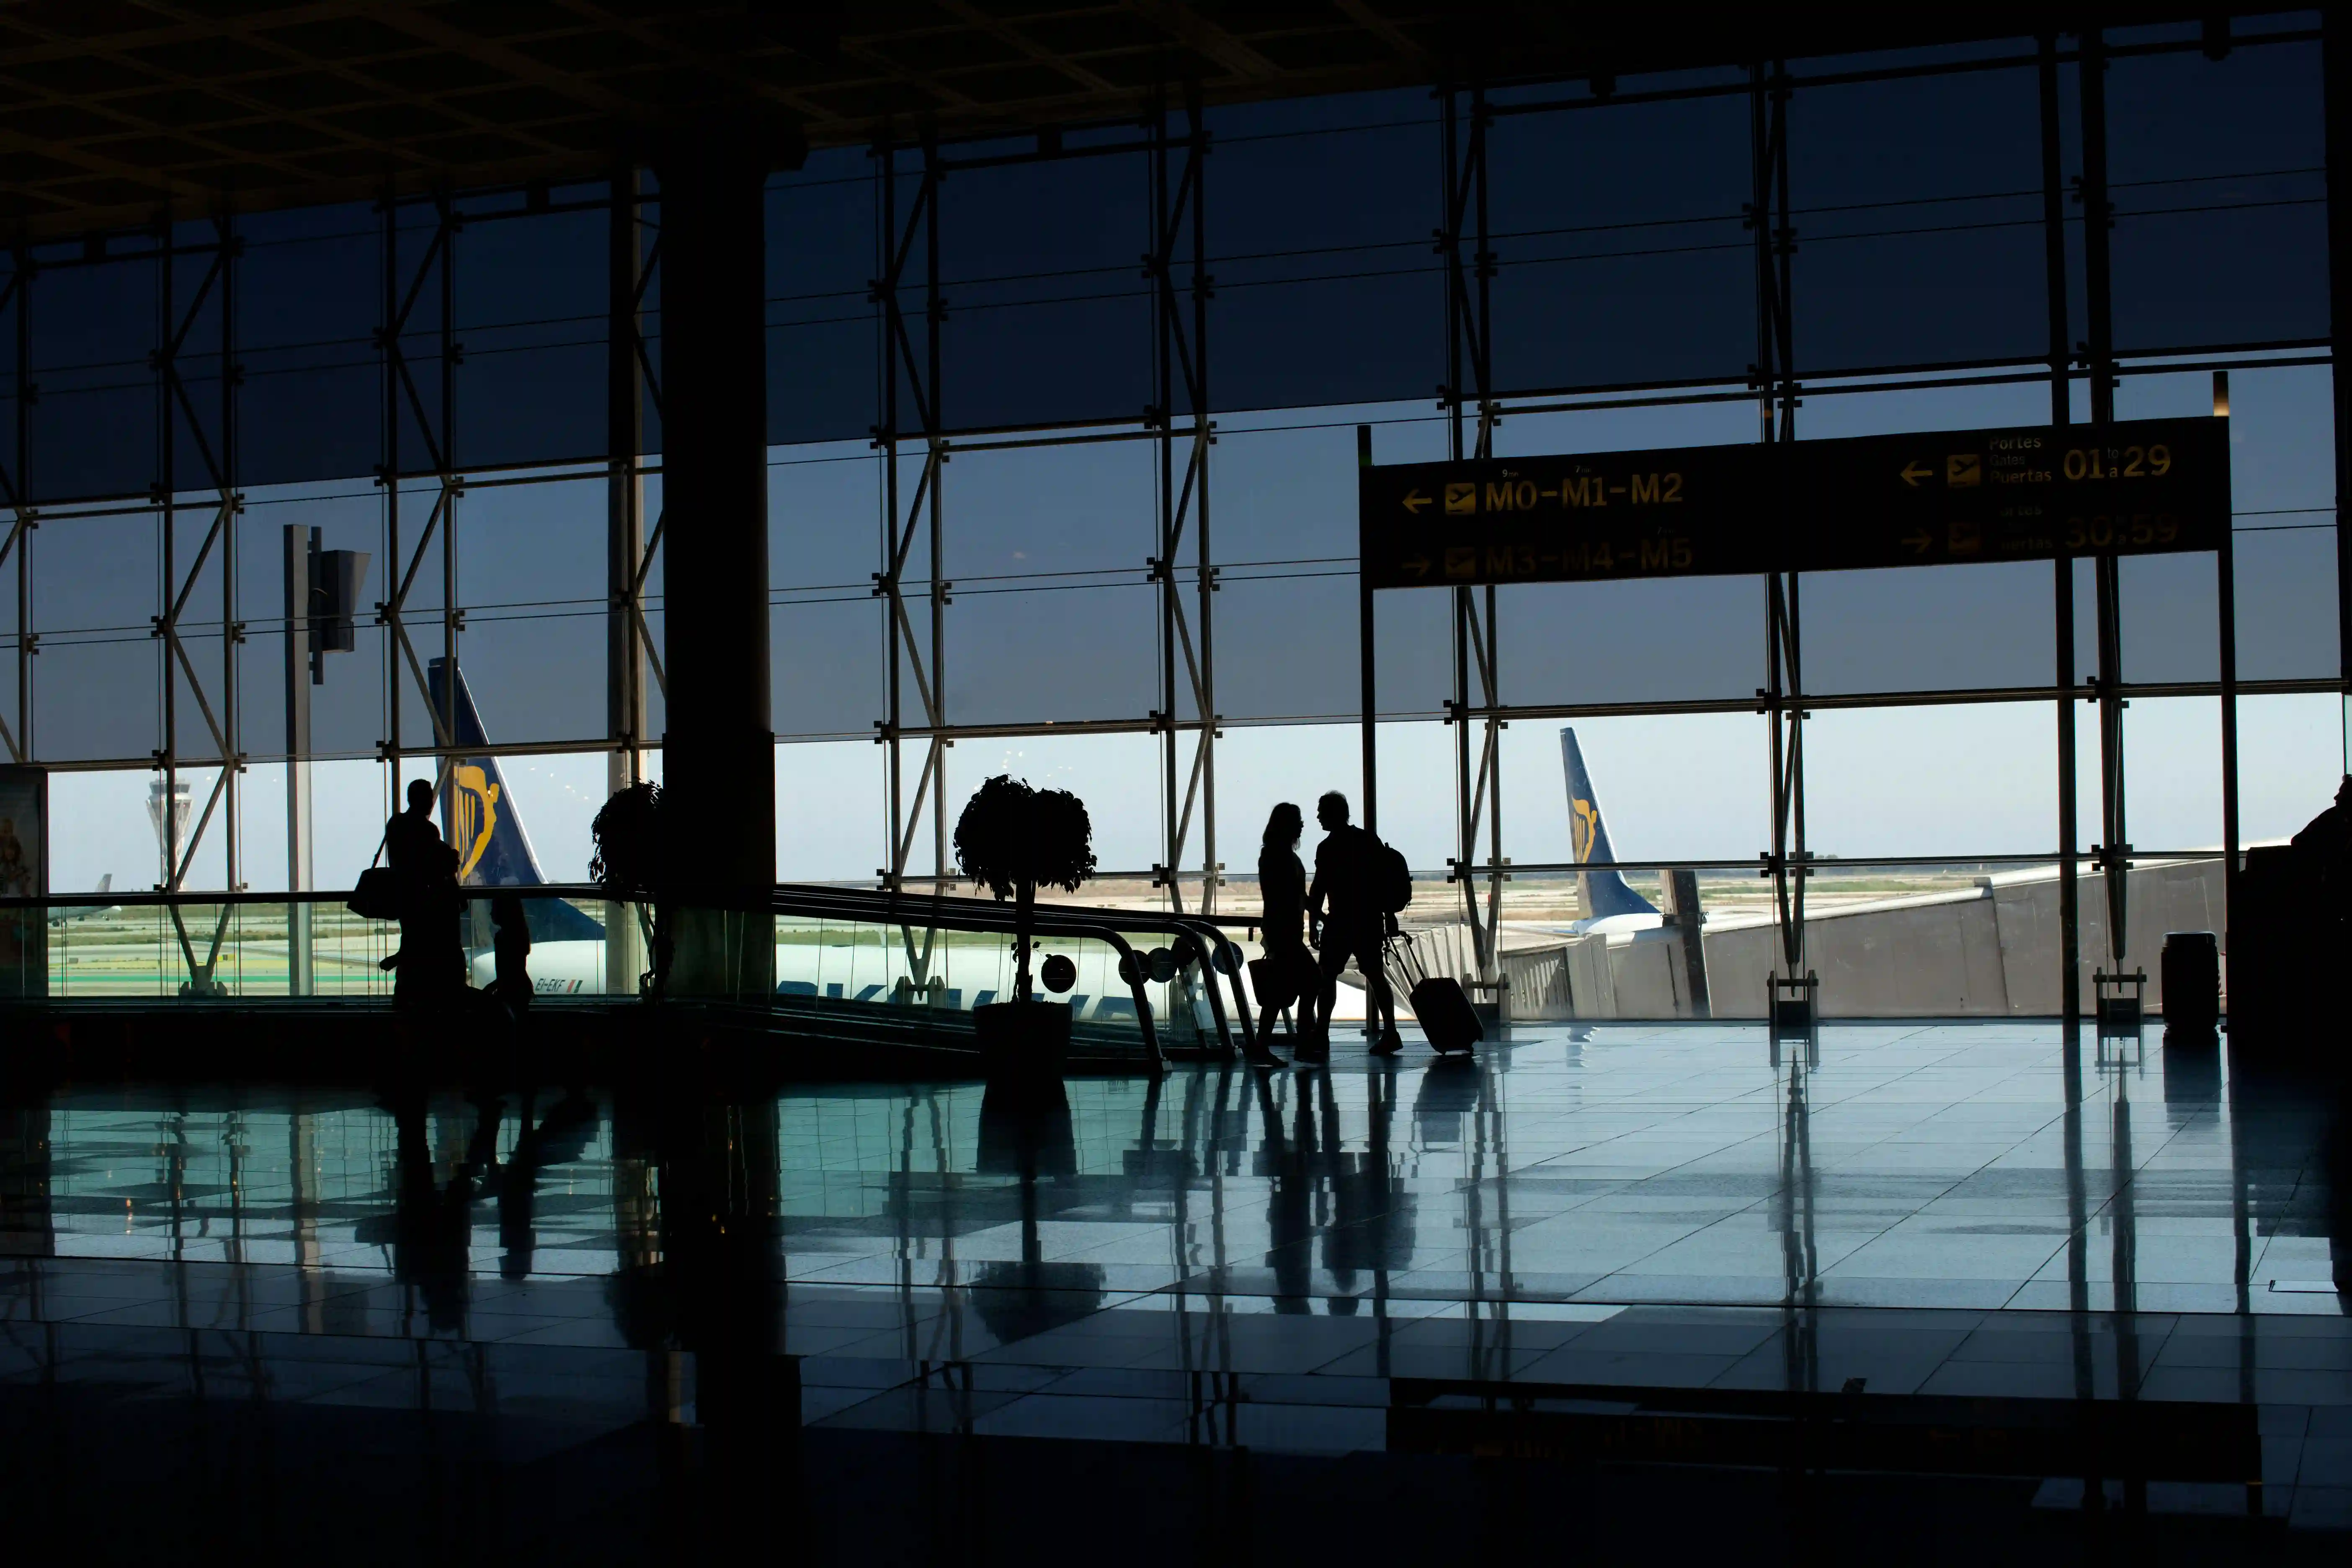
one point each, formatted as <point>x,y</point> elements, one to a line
<point>2192,979</point>
<point>1438,1001</point>
<point>1445,1015</point>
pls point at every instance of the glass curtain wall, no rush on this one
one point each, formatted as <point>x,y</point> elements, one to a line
<point>1064,434</point>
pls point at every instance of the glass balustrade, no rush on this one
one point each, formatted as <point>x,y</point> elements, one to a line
<point>842,954</point>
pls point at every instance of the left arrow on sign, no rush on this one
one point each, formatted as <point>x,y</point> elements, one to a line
<point>1913,472</point>
<point>1414,501</point>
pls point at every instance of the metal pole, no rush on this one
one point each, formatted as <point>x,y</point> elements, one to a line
<point>1197,163</point>
<point>893,327</point>
<point>1450,199</point>
<point>1784,361</point>
<point>935,314</point>
<point>1759,221</point>
<point>1489,934</point>
<point>1759,217</point>
<point>1793,651</point>
<point>26,643</point>
<point>625,489</point>
<point>301,554</point>
<point>2225,573</point>
<point>1481,341</point>
<point>2337,76</point>
<point>390,614</point>
<point>1775,384</point>
<point>1367,643</point>
<point>448,497</point>
<point>1163,566</point>
<point>2101,330</point>
<point>625,546</point>
<point>1777,759</point>
<point>2054,243</point>
<point>232,505</point>
<point>168,757</point>
<point>1466,819</point>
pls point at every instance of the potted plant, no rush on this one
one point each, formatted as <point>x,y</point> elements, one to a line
<point>1013,839</point>
<point>631,866</point>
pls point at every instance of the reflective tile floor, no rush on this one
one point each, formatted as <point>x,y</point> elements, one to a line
<point>1935,1230</point>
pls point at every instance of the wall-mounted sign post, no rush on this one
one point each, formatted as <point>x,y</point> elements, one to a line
<point>1936,499</point>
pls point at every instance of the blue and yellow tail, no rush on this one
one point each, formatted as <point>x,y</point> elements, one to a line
<point>479,816</point>
<point>1605,892</point>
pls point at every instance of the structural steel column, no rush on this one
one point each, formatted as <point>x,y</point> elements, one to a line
<point>624,555</point>
<point>719,757</point>
<point>2062,412</point>
<point>904,368</point>
<point>165,498</point>
<point>2338,84</point>
<point>1783,695</point>
<point>301,546</point>
<point>27,642</point>
<point>1469,375</point>
<point>2115,847</point>
<point>2225,595</point>
<point>1368,648</point>
<point>388,475</point>
<point>16,493</point>
<point>1180,392</point>
<point>232,506</point>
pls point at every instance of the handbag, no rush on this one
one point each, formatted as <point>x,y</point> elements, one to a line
<point>377,896</point>
<point>1275,981</point>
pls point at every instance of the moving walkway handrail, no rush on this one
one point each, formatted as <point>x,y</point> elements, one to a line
<point>934,913</point>
<point>901,908</point>
<point>880,907</point>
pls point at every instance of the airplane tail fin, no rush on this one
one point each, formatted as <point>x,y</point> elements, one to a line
<point>105,883</point>
<point>1605,892</point>
<point>480,815</point>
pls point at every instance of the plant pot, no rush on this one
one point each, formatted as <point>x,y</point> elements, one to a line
<point>1023,1041</point>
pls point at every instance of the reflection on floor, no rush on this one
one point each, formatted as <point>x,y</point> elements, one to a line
<point>1599,1247</point>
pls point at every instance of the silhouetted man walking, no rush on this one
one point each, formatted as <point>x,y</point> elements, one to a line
<point>1347,875</point>
<point>431,962</point>
<point>2325,846</point>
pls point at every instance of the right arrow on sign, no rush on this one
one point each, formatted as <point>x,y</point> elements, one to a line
<point>1416,564</point>
<point>1914,471</point>
<point>1920,541</point>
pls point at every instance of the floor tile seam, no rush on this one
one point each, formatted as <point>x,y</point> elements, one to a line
<point>1720,1150</point>
<point>1957,1051</point>
<point>1955,1183</point>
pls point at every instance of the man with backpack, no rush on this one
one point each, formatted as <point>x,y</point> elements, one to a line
<point>1349,912</point>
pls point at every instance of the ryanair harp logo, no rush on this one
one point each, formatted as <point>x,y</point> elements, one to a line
<point>1584,825</point>
<point>474,815</point>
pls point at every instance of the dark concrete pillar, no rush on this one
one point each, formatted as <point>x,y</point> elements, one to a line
<point>717,763</point>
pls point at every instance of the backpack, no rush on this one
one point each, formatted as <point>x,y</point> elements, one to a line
<point>1391,879</point>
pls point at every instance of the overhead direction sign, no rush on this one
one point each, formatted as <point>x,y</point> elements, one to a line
<point>1933,498</point>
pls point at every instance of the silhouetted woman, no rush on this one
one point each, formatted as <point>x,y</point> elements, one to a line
<point>1282,885</point>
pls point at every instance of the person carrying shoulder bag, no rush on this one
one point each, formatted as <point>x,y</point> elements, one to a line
<point>1285,977</point>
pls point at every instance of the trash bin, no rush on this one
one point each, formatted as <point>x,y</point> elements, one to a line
<point>2192,979</point>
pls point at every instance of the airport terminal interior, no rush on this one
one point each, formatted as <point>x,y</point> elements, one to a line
<point>1173,779</point>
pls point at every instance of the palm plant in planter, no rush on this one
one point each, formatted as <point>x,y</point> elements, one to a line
<point>1013,839</point>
